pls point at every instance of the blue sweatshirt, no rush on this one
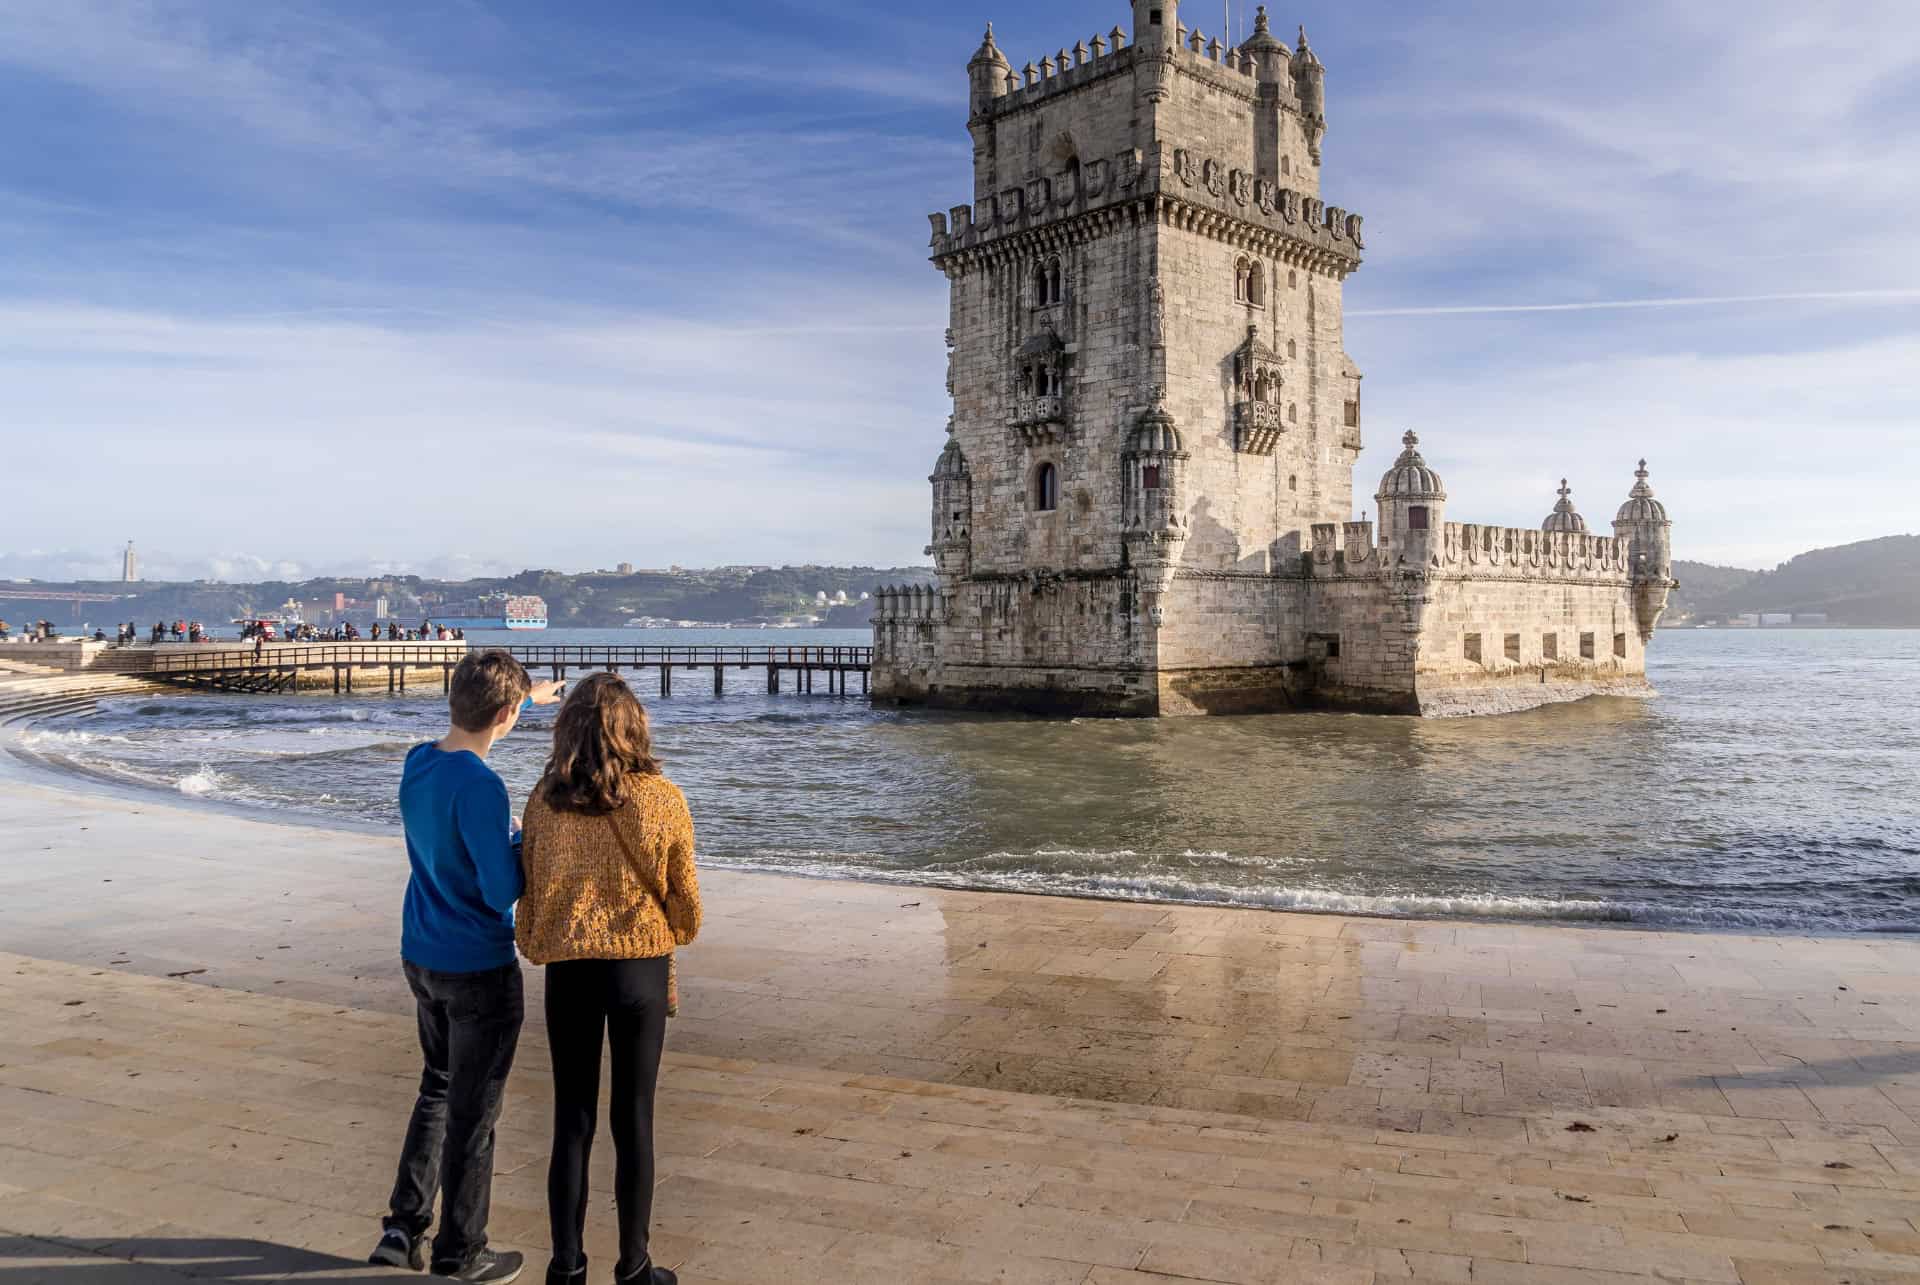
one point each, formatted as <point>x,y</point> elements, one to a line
<point>466,863</point>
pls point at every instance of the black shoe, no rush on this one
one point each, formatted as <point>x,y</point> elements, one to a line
<point>486,1267</point>
<point>647,1274</point>
<point>397,1249</point>
<point>577,1276</point>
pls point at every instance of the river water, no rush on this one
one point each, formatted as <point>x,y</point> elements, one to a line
<point>1771,785</point>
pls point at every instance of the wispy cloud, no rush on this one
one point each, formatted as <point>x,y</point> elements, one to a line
<point>1618,305</point>
<point>335,281</point>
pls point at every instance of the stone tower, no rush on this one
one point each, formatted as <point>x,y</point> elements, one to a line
<point>1154,412</point>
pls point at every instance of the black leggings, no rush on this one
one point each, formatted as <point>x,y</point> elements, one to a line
<point>587,998</point>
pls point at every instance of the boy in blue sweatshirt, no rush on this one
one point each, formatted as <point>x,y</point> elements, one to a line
<point>456,946</point>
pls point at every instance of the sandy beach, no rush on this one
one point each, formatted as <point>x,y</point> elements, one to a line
<point>207,1054</point>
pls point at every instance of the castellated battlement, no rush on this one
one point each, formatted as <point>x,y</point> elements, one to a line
<point>1468,548</point>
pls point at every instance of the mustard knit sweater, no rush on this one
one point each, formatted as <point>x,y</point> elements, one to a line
<point>586,899</point>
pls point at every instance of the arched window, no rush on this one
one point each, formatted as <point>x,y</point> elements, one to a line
<point>1293,349</point>
<point>1241,271</point>
<point>1040,286</point>
<point>1046,488</point>
<point>1293,280</point>
<point>1293,413</point>
<point>1150,477</point>
<point>1293,482</point>
<point>1257,285</point>
<point>1054,291</point>
<point>1286,165</point>
<point>1263,389</point>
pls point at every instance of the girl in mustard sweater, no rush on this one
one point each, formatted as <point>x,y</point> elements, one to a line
<point>611,890</point>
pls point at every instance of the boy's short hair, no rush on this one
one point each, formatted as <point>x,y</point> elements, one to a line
<point>485,685</point>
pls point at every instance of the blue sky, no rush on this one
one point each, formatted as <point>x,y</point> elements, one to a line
<point>472,285</point>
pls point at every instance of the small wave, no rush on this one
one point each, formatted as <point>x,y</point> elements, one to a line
<point>199,784</point>
<point>1393,905</point>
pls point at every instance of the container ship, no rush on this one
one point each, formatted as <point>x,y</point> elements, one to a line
<point>493,611</point>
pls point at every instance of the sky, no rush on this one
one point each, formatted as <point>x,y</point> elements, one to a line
<point>466,286</point>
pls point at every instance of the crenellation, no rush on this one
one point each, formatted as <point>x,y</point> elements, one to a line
<point>1145,505</point>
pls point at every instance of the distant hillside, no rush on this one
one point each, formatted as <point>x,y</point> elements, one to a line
<point>1701,582</point>
<point>1873,583</point>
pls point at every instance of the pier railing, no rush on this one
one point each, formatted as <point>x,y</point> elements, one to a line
<point>282,666</point>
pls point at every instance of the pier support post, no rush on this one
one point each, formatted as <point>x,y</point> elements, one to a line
<point>719,681</point>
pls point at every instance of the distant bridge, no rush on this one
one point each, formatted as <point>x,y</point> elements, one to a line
<point>75,597</point>
<point>275,667</point>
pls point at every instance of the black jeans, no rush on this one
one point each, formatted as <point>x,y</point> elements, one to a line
<point>469,1029</point>
<point>586,1000</point>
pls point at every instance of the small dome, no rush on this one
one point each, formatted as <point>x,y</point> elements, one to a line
<point>989,53</point>
<point>1263,38</point>
<point>1563,517</point>
<point>1410,477</point>
<point>1640,505</point>
<point>1155,434</point>
<point>952,464</point>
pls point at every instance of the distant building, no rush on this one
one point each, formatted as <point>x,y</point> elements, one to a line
<point>1746,620</point>
<point>625,568</point>
<point>129,565</point>
<point>380,607</point>
<point>1809,617</point>
<point>1774,619</point>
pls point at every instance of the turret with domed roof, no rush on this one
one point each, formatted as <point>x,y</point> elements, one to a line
<point>1642,525</point>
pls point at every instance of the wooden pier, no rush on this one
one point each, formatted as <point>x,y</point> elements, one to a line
<point>364,666</point>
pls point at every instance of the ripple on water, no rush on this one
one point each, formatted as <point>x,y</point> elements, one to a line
<point>1769,787</point>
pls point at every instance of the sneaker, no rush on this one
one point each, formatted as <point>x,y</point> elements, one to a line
<point>487,1267</point>
<point>397,1249</point>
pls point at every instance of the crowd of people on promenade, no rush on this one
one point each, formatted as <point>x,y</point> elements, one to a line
<point>597,885</point>
<point>36,631</point>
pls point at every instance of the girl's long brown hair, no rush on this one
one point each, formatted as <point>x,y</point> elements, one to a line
<point>600,739</point>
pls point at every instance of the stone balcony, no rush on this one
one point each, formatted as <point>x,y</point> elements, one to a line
<point>1040,419</point>
<point>1256,427</point>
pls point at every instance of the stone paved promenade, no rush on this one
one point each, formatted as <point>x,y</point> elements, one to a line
<point>879,1084</point>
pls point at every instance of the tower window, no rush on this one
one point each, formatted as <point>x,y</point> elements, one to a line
<point>1293,481</point>
<point>1471,648</point>
<point>1286,165</point>
<point>1293,349</point>
<point>1293,280</point>
<point>1353,414</point>
<point>1620,646</point>
<point>1154,18</point>
<point>1046,488</point>
<point>1513,648</point>
<point>1417,517</point>
<point>1150,477</point>
<point>1550,647</point>
<point>1293,413</point>
<point>1047,284</point>
<point>1586,646</point>
<point>1257,285</point>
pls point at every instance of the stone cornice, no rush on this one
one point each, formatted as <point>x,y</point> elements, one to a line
<point>1180,187</point>
<point>1288,247</point>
